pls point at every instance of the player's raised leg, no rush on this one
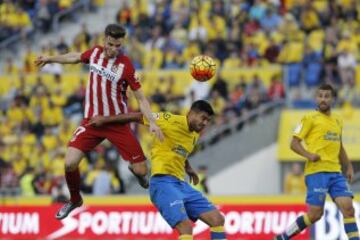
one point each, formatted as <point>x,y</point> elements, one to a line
<point>72,176</point>
<point>313,215</point>
<point>346,207</point>
<point>216,222</point>
<point>129,147</point>
<point>140,170</point>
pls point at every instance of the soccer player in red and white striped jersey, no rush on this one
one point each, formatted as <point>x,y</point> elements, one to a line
<point>111,72</point>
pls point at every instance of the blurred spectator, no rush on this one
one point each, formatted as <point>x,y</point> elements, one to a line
<point>8,177</point>
<point>309,18</point>
<point>221,87</point>
<point>44,16</point>
<point>27,182</point>
<point>62,46</point>
<point>255,94</point>
<point>197,90</point>
<point>276,89</point>
<point>270,21</point>
<point>59,194</point>
<point>272,51</point>
<point>346,65</point>
<point>102,180</point>
<point>295,181</point>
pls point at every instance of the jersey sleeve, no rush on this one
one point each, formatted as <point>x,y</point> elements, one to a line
<point>161,119</point>
<point>85,56</point>
<point>303,128</point>
<point>130,76</point>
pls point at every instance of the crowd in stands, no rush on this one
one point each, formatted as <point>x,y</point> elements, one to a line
<point>22,16</point>
<point>313,40</point>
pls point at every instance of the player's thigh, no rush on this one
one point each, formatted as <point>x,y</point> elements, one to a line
<point>126,143</point>
<point>317,187</point>
<point>168,199</point>
<point>196,203</point>
<point>86,138</point>
<point>339,187</point>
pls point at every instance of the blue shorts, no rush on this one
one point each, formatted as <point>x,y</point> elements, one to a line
<point>318,184</point>
<point>177,200</point>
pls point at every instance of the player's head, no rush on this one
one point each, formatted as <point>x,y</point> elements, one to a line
<point>114,37</point>
<point>324,97</point>
<point>199,115</point>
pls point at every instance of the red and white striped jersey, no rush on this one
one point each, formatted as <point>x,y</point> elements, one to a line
<point>108,81</point>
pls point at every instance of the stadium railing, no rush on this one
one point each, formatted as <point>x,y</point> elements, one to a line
<point>215,133</point>
<point>82,4</point>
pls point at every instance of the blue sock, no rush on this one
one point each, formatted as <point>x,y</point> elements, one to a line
<point>351,228</point>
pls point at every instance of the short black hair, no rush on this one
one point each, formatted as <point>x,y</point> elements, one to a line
<point>202,106</point>
<point>326,86</point>
<point>115,31</point>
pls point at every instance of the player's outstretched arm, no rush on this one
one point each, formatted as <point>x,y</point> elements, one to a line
<point>98,121</point>
<point>68,58</point>
<point>297,147</point>
<point>344,160</point>
<point>145,109</point>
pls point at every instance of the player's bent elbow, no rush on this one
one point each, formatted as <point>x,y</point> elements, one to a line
<point>294,143</point>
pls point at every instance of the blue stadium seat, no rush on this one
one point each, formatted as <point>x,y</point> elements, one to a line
<point>304,103</point>
<point>293,74</point>
<point>312,74</point>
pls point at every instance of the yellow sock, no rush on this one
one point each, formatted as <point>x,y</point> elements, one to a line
<point>217,232</point>
<point>185,237</point>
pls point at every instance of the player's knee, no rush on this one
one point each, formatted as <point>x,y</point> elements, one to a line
<point>348,211</point>
<point>315,216</point>
<point>217,220</point>
<point>184,227</point>
<point>139,169</point>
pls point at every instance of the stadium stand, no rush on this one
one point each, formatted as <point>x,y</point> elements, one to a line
<point>264,50</point>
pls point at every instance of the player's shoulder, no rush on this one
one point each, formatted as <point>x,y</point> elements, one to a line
<point>311,115</point>
<point>168,116</point>
<point>123,57</point>
<point>337,117</point>
<point>96,47</point>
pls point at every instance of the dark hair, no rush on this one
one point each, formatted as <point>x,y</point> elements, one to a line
<point>115,31</point>
<point>202,106</point>
<point>326,86</point>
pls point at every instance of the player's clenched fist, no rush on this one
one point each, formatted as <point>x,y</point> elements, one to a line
<point>41,61</point>
<point>313,157</point>
<point>96,121</point>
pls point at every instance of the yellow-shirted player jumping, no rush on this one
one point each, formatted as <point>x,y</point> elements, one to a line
<point>177,201</point>
<point>325,153</point>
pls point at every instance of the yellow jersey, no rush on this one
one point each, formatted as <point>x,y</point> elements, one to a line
<point>168,157</point>
<point>322,136</point>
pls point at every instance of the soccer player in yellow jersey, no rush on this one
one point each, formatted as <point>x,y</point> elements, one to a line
<point>177,201</point>
<point>325,153</point>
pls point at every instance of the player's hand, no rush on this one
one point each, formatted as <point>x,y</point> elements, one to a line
<point>313,157</point>
<point>96,121</point>
<point>194,178</point>
<point>155,129</point>
<point>350,174</point>
<point>42,61</point>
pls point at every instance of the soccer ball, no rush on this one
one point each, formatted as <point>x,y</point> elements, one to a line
<point>202,68</point>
